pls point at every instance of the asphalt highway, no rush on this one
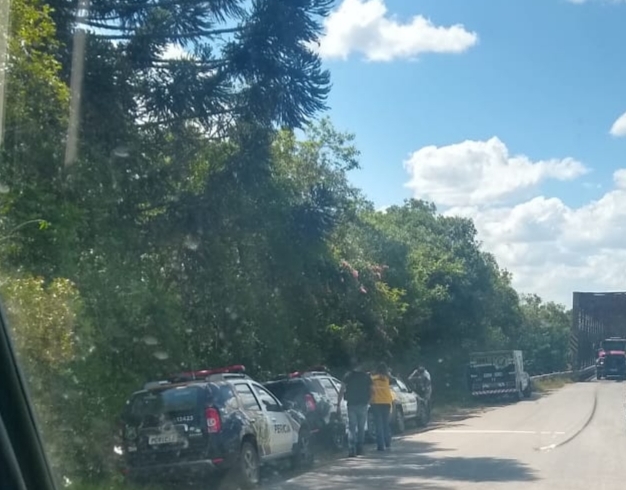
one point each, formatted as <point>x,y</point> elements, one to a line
<point>573,438</point>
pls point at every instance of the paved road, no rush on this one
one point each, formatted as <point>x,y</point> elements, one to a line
<point>574,438</point>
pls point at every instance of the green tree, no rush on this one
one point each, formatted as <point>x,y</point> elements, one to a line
<point>544,336</point>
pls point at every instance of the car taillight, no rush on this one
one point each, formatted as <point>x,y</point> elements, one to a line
<point>310,402</point>
<point>213,420</point>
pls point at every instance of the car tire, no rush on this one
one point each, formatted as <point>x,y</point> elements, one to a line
<point>303,453</point>
<point>248,467</point>
<point>337,437</point>
<point>424,414</point>
<point>399,423</point>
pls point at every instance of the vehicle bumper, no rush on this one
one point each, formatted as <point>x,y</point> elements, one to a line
<point>609,373</point>
<point>502,391</point>
<point>187,470</point>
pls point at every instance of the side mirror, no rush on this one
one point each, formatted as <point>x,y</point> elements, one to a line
<point>289,405</point>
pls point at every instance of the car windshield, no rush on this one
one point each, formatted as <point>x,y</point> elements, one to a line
<point>287,389</point>
<point>614,345</point>
<point>164,401</point>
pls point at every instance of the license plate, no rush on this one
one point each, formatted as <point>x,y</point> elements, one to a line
<point>162,439</point>
<point>488,386</point>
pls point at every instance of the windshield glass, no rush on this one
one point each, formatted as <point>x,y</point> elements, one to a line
<point>172,400</point>
<point>614,345</point>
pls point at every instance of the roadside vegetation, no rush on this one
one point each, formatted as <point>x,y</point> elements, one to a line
<point>550,384</point>
<point>179,228</point>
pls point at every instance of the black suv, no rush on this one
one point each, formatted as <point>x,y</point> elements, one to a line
<point>205,422</point>
<point>315,393</point>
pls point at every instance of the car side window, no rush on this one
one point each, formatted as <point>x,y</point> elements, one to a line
<point>230,400</point>
<point>267,399</point>
<point>337,384</point>
<point>248,399</point>
<point>402,386</point>
<point>328,385</point>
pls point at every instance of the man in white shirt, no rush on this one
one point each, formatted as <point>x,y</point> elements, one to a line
<point>420,379</point>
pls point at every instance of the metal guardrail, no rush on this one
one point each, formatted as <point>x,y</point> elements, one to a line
<point>580,375</point>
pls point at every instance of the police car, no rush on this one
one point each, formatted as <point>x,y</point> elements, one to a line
<point>315,392</point>
<point>200,423</point>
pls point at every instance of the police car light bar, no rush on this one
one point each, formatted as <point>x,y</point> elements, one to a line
<point>319,368</point>
<point>203,373</point>
<point>155,384</point>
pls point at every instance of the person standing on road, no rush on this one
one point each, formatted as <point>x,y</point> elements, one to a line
<point>381,401</point>
<point>357,390</point>
<point>420,379</point>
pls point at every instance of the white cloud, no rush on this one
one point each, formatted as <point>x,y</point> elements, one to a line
<point>619,126</point>
<point>480,173</point>
<point>174,51</point>
<point>364,26</point>
<point>552,249</point>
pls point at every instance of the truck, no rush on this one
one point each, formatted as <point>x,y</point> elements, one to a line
<point>498,373</point>
<point>611,360</point>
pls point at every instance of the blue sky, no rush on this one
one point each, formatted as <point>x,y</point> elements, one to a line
<point>544,77</point>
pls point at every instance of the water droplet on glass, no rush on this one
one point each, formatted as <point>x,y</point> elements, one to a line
<point>150,340</point>
<point>121,152</point>
<point>161,355</point>
<point>191,243</point>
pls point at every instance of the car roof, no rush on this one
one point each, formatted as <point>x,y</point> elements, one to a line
<point>192,383</point>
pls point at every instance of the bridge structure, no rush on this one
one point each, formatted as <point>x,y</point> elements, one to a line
<point>595,317</point>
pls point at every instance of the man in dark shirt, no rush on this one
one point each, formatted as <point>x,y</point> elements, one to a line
<point>357,390</point>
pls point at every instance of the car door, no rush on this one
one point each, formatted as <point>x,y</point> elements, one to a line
<point>344,405</point>
<point>331,391</point>
<point>409,400</point>
<point>258,418</point>
<point>281,425</point>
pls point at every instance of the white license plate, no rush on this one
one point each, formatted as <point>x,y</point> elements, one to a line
<point>490,386</point>
<point>162,439</point>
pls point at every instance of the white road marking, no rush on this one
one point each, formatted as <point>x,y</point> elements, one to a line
<point>548,448</point>
<point>487,431</point>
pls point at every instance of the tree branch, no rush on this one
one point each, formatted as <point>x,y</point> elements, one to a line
<point>183,35</point>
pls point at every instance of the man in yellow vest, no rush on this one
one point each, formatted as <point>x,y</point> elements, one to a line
<point>380,403</point>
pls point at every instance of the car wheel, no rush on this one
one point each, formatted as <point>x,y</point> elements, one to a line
<point>338,437</point>
<point>249,467</point>
<point>423,416</point>
<point>399,422</point>
<point>303,456</point>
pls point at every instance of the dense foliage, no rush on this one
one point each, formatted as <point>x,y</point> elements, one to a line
<point>190,226</point>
